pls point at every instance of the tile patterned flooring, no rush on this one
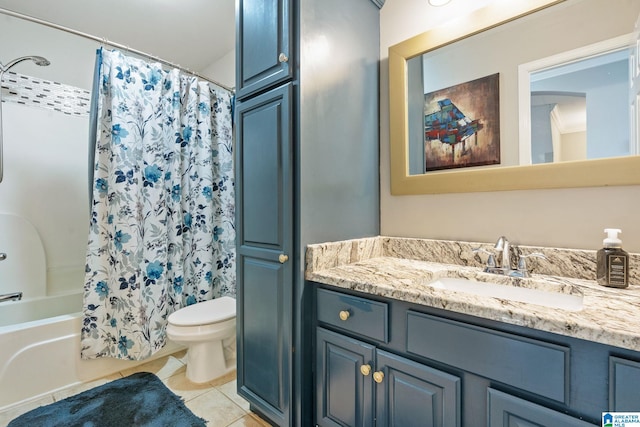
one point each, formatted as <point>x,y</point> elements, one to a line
<point>216,401</point>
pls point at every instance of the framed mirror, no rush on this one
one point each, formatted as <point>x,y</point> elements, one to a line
<point>459,68</point>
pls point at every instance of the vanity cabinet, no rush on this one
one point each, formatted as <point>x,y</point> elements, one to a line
<point>306,171</point>
<point>358,384</point>
<point>344,396</point>
<point>434,367</point>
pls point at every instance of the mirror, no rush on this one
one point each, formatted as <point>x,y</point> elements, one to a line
<point>442,44</point>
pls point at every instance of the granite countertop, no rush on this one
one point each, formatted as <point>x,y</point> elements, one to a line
<point>403,269</point>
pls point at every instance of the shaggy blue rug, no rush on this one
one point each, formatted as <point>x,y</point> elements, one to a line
<point>140,399</point>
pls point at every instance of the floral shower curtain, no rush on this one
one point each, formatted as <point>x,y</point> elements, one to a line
<point>162,232</point>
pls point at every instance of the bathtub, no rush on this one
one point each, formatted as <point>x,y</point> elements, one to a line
<point>41,354</point>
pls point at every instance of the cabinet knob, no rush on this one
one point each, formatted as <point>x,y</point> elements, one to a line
<point>344,314</point>
<point>283,258</point>
<point>365,370</point>
<point>283,58</point>
<point>378,376</point>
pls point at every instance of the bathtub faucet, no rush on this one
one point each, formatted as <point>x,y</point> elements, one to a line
<point>13,296</point>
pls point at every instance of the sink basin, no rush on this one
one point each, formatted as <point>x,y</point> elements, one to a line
<point>546,298</point>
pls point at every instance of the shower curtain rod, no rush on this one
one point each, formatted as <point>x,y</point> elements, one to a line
<point>110,43</point>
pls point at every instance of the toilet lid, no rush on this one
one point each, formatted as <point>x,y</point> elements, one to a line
<point>204,313</point>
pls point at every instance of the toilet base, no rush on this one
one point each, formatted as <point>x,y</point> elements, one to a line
<point>206,361</point>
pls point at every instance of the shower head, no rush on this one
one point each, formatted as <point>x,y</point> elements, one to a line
<point>39,60</point>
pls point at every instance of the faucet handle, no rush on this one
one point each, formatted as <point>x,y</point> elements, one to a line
<point>491,260</point>
<point>522,263</point>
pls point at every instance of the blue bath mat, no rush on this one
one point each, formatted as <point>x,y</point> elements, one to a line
<point>140,399</point>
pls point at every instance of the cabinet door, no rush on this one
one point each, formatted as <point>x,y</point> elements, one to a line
<point>344,396</point>
<point>509,411</point>
<point>264,44</point>
<point>624,377</point>
<point>264,239</point>
<point>412,394</point>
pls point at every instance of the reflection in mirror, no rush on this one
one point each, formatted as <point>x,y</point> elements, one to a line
<point>580,109</point>
<point>566,89</point>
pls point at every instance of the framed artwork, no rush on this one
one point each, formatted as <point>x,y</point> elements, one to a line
<point>462,125</point>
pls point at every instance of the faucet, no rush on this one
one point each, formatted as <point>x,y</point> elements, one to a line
<point>503,245</point>
<point>504,268</point>
<point>13,296</point>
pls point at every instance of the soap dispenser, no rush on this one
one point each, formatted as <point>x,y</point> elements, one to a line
<point>612,261</point>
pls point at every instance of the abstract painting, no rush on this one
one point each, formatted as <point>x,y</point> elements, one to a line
<point>462,125</point>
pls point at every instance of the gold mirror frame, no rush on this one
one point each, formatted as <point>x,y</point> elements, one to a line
<point>586,173</point>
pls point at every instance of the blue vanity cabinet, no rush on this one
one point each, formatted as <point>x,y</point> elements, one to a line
<point>432,367</point>
<point>344,395</point>
<point>306,172</point>
<point>357,384</point>
<point>412,394</point>
<point>360,384</point>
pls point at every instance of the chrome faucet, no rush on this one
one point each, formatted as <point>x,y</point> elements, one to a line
<point>505,268</point>
<point>13,296</point>
<point>503,245</point>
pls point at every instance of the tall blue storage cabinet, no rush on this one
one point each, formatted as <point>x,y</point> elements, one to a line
<point>307,144</point>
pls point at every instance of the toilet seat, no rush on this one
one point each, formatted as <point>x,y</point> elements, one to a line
<point>205,313</point>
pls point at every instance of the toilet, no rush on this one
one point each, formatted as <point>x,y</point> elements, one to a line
<point>208,330</point>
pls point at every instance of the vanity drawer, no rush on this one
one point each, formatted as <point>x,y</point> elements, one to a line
<point>535,366</point>
<point>353,314</point>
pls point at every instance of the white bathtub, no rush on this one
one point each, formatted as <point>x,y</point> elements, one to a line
<point>43,355</point>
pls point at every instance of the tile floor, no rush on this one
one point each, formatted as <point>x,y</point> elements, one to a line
<point>217,401</point>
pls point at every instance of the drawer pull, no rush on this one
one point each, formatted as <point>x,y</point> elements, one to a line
<point>365,370</point>
<point>378,376</point>
<point>283,58</point>
<point>283,258</point>
<point>344,314</point>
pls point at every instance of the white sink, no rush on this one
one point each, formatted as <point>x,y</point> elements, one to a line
<point>546,298</point>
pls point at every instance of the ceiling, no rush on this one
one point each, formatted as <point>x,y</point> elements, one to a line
<point>191,33</point>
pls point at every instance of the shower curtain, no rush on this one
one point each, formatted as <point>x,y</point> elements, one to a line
<point>162,231</point>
